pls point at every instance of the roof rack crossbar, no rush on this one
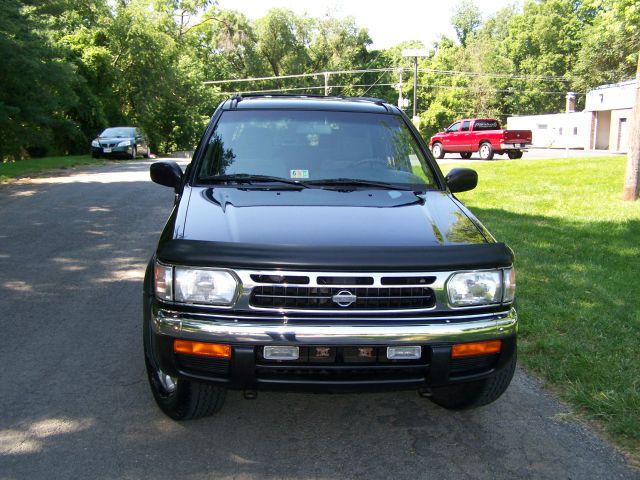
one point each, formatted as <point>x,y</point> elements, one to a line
<point>239,97</point>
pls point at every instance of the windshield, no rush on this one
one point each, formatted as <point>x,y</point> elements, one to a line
<point>118,132</point>
<point>315,146</point>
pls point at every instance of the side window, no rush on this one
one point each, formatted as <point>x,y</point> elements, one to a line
<point>454,128</point>
<point>465,126</point>
<point>486,125</point>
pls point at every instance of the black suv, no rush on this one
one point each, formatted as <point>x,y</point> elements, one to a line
<point>315,245</point>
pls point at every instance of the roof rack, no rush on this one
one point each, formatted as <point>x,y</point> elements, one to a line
<point>239,97</point>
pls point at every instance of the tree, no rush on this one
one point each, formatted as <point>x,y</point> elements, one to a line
<point>632,175</point>
<point>610,42</point>
<point>466,20</point>
<point>280,35</point>
<point>35,81</point>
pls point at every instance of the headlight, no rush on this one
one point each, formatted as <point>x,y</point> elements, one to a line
<point>124,143</point>
<point>95,143</point>
<point>470,289</point>
<point>195,285</point>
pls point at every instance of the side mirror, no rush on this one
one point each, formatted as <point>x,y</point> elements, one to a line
<point>166,173</point>
<point>461,179</point>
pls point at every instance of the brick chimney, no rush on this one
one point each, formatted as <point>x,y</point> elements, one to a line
<point>571,102</point>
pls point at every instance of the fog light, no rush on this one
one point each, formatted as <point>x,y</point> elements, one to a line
<point>404,353</point>
<point>462,350</point>
<point>281,353</point>
<point>202,349</point>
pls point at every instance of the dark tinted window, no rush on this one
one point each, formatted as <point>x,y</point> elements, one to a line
<point>486,125</point>
<point>314,145</point>
<point>465,126</point>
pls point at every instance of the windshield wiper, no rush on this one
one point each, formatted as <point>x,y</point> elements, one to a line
<point>250,179</point>
<point>357,183</point>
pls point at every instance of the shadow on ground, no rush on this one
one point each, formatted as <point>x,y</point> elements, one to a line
<point>75,403</point>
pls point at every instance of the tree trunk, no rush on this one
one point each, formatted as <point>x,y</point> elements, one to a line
<point>632,176</point>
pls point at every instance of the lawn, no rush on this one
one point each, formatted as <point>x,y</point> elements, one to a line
<point>34,166</point>
<point>577,248</point>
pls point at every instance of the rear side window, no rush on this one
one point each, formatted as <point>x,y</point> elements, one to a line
<point>315,145</point>
<point>465,126</point>
<point>486,125</point>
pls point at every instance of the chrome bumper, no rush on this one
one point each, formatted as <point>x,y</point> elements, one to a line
<point>514,146</point>
<point>212,329</point>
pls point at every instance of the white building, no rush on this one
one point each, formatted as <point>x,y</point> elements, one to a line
<point>603,125</point>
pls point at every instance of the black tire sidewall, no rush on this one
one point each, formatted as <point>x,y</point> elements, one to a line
<point>476,394</point>
<point>167,401</point>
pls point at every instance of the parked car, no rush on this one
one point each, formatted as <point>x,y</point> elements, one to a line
<point>481,135</point>
<point>304,253</point>
<point>123,142</point>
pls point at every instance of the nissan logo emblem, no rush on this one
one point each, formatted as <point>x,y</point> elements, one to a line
<point>344,298</point>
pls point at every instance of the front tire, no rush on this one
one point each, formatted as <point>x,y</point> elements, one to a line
<point>465,155</point>
<point>134,153</point>
<point>475,394</point>
<point>182,399</point>
<point>486,151</point>
<point>437,150</point>
<point>178,398</point>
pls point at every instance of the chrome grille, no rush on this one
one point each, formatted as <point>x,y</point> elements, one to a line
<point>328,297</point>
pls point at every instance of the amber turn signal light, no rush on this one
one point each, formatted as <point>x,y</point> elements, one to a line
<point>217,350</point>
<point>461,350</point>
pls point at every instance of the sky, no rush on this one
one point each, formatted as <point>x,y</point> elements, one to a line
<point>389,23</point>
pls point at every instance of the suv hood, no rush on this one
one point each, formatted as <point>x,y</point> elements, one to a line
<point>320,217</point>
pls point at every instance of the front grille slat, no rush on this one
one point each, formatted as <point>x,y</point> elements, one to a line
<point>321,298</point>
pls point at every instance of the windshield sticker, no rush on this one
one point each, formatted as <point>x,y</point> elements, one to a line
<point>299,174</point>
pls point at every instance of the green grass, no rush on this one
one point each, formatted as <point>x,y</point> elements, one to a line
<point>577,248</point>
<point>35,166</point>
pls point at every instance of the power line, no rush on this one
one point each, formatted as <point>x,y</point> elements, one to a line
<point>378,70</point>
<point>370,85</point>
<point>496,75</point>
<point>373,85</point>
<point>498,90</point>
<point>299,75</point>
<point>294,89</point>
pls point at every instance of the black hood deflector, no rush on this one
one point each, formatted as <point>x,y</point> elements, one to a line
<point>335,258</point>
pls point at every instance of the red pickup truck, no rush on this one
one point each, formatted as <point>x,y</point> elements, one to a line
<point>479,135</point>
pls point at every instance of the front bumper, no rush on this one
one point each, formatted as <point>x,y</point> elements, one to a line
<point>439,329</point>
<point>115,151</point>
<point>247,370</point>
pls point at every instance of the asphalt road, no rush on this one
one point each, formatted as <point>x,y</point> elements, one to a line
<point>533,154</point>
<point>74,401</point>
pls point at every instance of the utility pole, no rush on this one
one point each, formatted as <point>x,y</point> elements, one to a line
<point>327,88</point>
<point>415,53</point>
<point>400,99</point>
<point>632,176</point>
<point>415,84</point>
